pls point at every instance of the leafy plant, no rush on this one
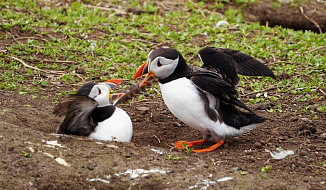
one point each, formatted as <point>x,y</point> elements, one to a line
<point>171,157</point>
<point>266,168</point>
<point>186,149</point>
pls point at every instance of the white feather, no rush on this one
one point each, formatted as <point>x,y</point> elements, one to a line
<point>183,100</point>
<point>117,128</point>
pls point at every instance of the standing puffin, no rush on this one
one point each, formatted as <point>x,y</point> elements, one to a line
<point>91,112</point>
<point>205,98</point>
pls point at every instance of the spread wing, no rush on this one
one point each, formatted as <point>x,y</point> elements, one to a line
<point>231,62</point>
<point>247,65</point>
<point>217,60</point>
<point>77,110</point>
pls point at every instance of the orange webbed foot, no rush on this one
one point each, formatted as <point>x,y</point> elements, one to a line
<point>179,144</point>
<point>211,148</point>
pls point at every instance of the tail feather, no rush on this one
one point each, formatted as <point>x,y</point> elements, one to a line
<point>236,118</point>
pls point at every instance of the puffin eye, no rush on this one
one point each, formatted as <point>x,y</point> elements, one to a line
<point>99,91</point>
<point>159,64</point>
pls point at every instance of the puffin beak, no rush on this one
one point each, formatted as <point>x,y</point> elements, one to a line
<point>144,70</point>
<point>114,98</point>
<point>113,82</point>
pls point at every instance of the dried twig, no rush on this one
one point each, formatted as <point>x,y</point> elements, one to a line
<point>52,61</point>
<point>322,91</point>
<point>311,20</point>
<point>35,68</point>
<point>159,141</point>
<point>267,89</point>
<point>316,49</point>
<point>106,9</point>
<point>22,38</point>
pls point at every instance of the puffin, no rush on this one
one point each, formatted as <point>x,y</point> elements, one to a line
<point>205,98</point>
<point>92,112</point>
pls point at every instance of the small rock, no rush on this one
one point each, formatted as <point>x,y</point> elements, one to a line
<point>302,153</point>
<point>283,76</point>
<point>137,11</point>
<point>80,70</point>
<point>307,130</point>
<point>257,144</point>
<point>90,168</point>
<point>142,108</point>
<point>128,156</point>
<point>293,119</point>
<point>264,141</point>
<point>323,135</point>
<point>221,23</point>
<point>176,124</point>
<point>263,106</point>
<point>323,182</point>
<point>313,107</point>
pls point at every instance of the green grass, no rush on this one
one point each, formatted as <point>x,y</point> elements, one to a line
<point>107,45</point>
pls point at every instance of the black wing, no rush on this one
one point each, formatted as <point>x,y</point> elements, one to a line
<point>226,102</point>
<point>217,60</point>
<point>219,89</point>
<point>231,62</point>
<point>247,65</point>
<point>77,110</point>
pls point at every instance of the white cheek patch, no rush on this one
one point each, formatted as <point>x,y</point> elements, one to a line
<point>167,68</point>
<point>103,98</point>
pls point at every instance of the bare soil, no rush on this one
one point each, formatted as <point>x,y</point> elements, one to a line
<point>29,162</point>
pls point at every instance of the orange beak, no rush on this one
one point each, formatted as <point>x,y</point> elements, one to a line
<point>144,69</point>
<point>113,82</point>
<point>114,98</point>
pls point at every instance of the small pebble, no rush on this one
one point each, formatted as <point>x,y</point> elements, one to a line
<point>128,156</point>
<point>257,144</point>
<point>90,168</point>
<point>80,70</point>
<point>176,124</point>
<point>323,135</point>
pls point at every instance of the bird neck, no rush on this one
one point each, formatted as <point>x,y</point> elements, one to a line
<point>102,113</point>
<point>181,68</point>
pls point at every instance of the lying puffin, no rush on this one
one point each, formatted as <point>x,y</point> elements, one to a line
<point>92,112</point>
<point>205,98</point>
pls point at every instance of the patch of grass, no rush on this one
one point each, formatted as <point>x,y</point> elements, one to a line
<point>171,157</point>
<point>108,45</point>
<point>266,169</point>
<point>26,155</point>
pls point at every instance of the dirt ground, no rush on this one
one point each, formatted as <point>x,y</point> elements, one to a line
<point>33,157</point>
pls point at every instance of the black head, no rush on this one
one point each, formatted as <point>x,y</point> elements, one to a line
<point>86,89</point>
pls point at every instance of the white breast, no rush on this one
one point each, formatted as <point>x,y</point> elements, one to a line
<point>118,128</point>
<point>183,100</point>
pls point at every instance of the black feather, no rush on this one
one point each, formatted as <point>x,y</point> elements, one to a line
<point>77,110</point>
<point>231,62</point>
<point>236,118</point>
